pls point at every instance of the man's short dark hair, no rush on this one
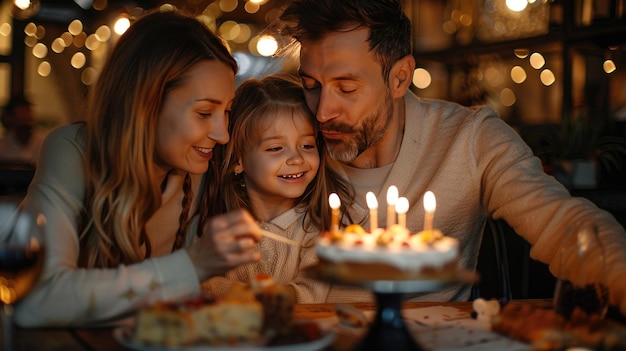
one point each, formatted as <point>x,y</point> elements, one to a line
<point>390,28</point>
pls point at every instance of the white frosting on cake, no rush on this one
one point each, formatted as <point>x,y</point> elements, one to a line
<point>396,247</point>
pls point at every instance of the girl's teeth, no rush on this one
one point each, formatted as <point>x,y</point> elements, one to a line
<point>292,176</point>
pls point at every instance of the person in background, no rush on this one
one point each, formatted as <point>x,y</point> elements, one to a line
<point>120,191</point>
<point>356,66</point>
<point>21,142</point>
<point>271,167</point>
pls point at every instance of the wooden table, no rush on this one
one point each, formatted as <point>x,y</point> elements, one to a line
<point>96,339</point>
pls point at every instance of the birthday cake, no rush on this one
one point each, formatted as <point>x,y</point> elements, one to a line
<point>393,253</point>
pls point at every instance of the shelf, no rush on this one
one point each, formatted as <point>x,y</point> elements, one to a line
<point>476,68</point>
<point>602,33</point>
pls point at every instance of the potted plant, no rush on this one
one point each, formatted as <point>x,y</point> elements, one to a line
<point>577,149</point>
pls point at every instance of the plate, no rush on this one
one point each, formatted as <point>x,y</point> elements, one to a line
<point>124,335</point>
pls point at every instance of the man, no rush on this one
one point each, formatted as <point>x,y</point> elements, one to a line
<point>356,66</point>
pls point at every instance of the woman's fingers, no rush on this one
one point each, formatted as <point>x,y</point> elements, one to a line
<point>245,244</point>
<point>244,257</point>
<point>238,223</point>
<point>228,241</point>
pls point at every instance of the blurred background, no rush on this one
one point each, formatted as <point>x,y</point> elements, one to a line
<point>553,69</point>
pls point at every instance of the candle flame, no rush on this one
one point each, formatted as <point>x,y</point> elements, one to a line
<point>429,201</point>
<point>333,201</point>
<point>392,195</point>
<point>372,202</point>
<point>402,206</point>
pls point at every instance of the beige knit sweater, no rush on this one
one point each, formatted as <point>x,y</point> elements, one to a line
<point>284,262</point>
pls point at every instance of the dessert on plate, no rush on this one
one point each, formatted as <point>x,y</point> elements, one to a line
<point>278,304</point>
<point>233,318</point>
<point>546,330</point>
<point>245,315</point>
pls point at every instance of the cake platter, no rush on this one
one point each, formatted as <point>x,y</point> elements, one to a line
<point>124,335</point>
<point>388,330</point>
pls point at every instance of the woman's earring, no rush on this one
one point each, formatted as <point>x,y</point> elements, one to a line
<point>239,176</point>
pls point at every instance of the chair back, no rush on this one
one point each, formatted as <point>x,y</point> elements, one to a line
<point>493,264</point>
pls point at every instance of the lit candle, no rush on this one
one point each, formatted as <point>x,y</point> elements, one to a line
<point>429,205</point>
<point>372,203</point>
<point>402,207</point>
<point>335,203</point>
<point>392,197</point>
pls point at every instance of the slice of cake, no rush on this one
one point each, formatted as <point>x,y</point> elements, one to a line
<point>165,324</point>
<point>236,317</point>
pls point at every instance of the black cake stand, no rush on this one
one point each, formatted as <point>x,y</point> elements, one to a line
<point>388,331</point>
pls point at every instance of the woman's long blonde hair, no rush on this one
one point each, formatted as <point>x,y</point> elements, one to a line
<point>122,190</point>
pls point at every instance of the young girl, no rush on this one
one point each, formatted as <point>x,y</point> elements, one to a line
<point>274,167</point>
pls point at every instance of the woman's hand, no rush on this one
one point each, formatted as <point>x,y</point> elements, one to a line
<point>227,242</point>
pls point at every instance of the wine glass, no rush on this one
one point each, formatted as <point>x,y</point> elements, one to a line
<point>21,258</point>
<point>580,285</point>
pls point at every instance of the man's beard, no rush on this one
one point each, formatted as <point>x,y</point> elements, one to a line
<point>366,135</point>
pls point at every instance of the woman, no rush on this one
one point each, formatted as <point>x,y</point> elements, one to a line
<point>120,191</point>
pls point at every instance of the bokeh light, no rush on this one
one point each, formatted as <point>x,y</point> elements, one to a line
<point>507,97</point>
<point>537,61</point>
<point>267,45</point>
<point>547,77</point>
<point>40,50</point>
<point>78,60</point>
<point>75,27</point>
<point>121,25</point>
<point>609,66</point>
<point>44,69</point>
<point>421,78</point>
<point>516,5</point>
<point>521,53</point>
<point>518,75</point>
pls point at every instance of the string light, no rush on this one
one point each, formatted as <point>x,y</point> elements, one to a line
<point>516,5</point>
<point>518,75</point>
<point>537,61</point>
<point>609,66</point>
<point>421,78</point>
<point>267,45</point>
<point>547,77</point>
<point>121,25</point>
<point>24,9</point>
